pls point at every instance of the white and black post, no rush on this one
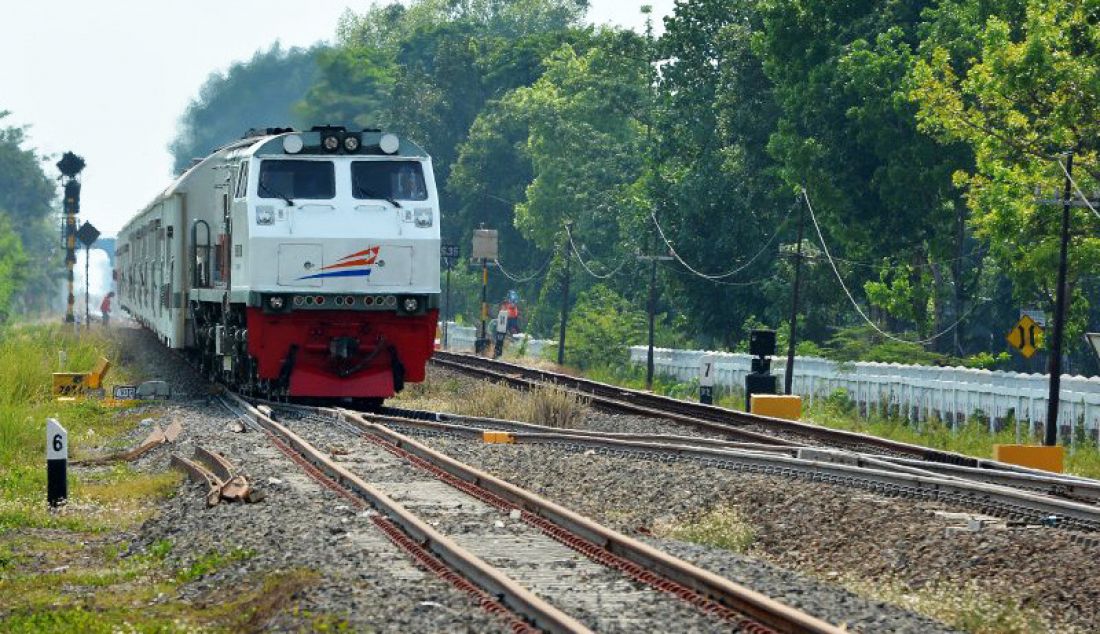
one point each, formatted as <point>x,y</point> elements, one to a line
<point>706,379</point>
<point>57,462</point>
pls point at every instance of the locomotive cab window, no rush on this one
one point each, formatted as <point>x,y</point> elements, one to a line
<point>296,179</point>
<point>381,180</point>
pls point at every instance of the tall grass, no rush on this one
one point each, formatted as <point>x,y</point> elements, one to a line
<point>28,359</point>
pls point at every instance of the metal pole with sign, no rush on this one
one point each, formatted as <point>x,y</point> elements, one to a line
<point>484,249</point>
<point>87,234</point>
<point>449,255</point>
<point>57,462</point>
<point>70,166</point>
<point>1060,301</point>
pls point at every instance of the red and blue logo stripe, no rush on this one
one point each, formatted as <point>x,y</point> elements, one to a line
<point>355,265</point>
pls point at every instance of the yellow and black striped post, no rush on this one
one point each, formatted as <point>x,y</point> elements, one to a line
<point>70,165</point>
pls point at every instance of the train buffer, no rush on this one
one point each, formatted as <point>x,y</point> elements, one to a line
<point>69,385</point>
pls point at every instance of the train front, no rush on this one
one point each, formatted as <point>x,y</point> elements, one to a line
<point>343,263</point>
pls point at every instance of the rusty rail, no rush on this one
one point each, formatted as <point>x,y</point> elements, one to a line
<point>542,614</point>
<point>649,560</point>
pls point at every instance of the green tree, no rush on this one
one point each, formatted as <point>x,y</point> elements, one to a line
<point>13,267</point>
<point>601,327</point>
<point>26,198</point>
<point>848,133</point>
<point>1019,83</point>
<point>712,185</point>
<point>257,93</point>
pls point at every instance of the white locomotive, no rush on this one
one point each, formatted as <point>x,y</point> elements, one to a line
<point>293,264</point>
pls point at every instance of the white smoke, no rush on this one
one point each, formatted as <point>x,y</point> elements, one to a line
<point>99,281</point>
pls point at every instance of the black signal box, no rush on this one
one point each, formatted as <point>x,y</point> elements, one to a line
<point>762,343</point>
<point>759,384</point>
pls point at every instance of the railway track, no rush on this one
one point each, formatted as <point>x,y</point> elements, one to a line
<point>552,570</point>
<point>743,426</point>
<point>1018,497</point>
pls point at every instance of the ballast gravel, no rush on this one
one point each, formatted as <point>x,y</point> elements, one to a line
<point>818,530</point>
<point>822,530</point>
<point>361,577</point>
<point>597,596</point>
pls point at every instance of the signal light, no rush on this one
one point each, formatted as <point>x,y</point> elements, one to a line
<point>330,143</point>
<point>351,142</point>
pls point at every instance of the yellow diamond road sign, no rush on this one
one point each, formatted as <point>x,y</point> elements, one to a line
<point>1026,337</point>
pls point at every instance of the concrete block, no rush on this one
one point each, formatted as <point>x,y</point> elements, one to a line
<point>1033,456</point>
<point>777,406</point>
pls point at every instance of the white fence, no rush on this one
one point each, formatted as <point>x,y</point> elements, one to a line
<point>462,338</point>
<point>917,392</point>
<point>914,391</point>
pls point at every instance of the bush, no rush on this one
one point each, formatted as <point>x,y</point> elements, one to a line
<point>601,326</point>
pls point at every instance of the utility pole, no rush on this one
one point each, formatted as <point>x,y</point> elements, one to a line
<point>447,313</point>
<point>652,308</point>
<point>788,379</point>
<point>484,249</point>
<point>564,292</point>
<point>1054,361</point>
<point>1051,437</point>
<point>87,300</point>
<point>482,337</point>
<point>70,166</point>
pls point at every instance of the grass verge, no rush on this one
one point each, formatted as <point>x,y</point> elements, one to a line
<point>71,569</point>
<point>967,607</point>
<point>545,405</point>
<point>722,527</point>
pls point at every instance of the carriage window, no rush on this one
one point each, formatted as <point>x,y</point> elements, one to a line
<point>379,180</point>
<point>296,179</point>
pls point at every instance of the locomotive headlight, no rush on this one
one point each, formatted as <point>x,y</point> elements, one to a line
<point>330,143</point>
<point>275,302</point>
<point>265,215</point>
<point>423,217</point>
<point>410,304</point>
<point>389,143</point>
<point>293,144</point>
<point>351,142</point>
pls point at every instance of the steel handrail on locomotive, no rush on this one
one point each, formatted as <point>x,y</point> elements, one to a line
<point>293,264</point>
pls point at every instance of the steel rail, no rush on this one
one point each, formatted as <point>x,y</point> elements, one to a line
<point>866,472</point>
<point>757,606</point>
<point>392,413</point>
<point>543,615</point>
<point>1060,485</point>
<point>720,419</point>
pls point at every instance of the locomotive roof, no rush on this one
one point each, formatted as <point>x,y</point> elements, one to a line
<point>271,145</point>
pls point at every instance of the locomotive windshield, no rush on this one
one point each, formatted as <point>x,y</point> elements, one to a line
<point>388,180</point>
<point>296,179</point>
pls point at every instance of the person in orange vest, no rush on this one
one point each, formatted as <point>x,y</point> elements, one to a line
<point>510,305</point>
<point>105,308</point>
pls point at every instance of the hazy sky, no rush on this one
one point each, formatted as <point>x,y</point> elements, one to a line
<point>109,79</point>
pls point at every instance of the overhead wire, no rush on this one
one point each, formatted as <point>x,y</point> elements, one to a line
<point>573,246</point>
<point>852,299</point>
<point>520,279</point>
<point>1077,189</point>
<point>672,249</point>
<point>673,268</point>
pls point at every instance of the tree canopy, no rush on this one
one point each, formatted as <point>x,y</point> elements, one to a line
<point>918,130</point>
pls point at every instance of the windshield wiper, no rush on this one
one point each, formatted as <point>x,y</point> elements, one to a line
<point>264,188</point>
<point>369,193</point>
